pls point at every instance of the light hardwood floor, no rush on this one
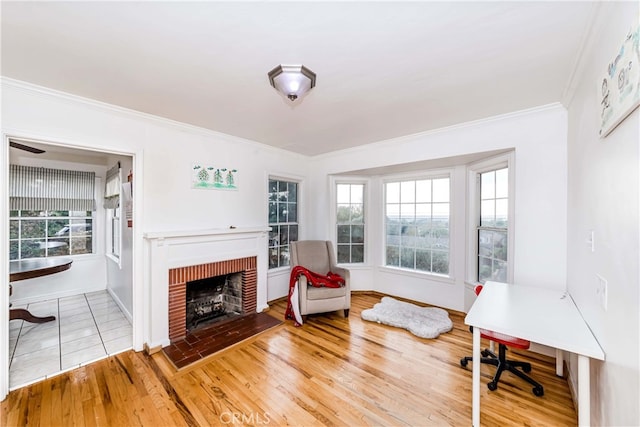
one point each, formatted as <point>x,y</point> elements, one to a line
<point>332,371</point>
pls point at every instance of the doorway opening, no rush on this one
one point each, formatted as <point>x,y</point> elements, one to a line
<point>90,305</point>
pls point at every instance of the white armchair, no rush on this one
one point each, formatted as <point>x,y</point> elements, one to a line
<point>319,257</point>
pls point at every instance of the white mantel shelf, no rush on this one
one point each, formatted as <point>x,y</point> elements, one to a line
<point>150,235</point>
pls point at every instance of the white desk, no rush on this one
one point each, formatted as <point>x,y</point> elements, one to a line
<point>539,315</point>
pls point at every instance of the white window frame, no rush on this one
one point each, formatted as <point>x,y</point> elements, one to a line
<point>473,212</point>
<point>48,218</point>
<point>112,216</point>
<point>299,182</point>
<point>428,174</point>
<point>333,220</point>
<point>114,225</point>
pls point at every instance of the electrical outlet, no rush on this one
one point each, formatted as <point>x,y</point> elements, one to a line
<point>602,291</point>
<point>591,241</point>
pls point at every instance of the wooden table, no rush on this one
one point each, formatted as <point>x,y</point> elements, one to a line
<point>29,269</point>
<point>545,316</point>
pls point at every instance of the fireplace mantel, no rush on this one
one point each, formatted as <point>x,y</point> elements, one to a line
<point>165,250</point>
<point>204,232</point>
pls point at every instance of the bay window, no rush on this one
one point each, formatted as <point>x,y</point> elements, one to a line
<point>350,223</point>
<point>417,224</point>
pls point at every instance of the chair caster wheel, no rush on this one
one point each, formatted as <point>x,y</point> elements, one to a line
<point>492,386</point>
<point>484,353</point>
<point>538,391</point>
<point>526,368</point>
<point>463,362</point>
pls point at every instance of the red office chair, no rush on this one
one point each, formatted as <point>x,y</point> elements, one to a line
<point>501,361</point>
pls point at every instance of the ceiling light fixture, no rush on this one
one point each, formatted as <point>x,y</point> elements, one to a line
<point>292,80</point>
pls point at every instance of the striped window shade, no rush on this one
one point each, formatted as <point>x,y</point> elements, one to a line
<point>112,188</point>
<point>39,189</point>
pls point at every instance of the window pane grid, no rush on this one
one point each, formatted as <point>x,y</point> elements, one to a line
<point>493,222</point>
<point>115,238</point>
<point>350,223</point>
<point>41,234</point>
<point>283,220</point>
<point>417,225</point>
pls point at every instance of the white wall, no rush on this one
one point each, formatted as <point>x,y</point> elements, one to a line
<point>120,273</point>
<point>164,153</point>
<point>88,272</point>
<point>604,186</point>
<point>169,150</point>
<point>538,137</point>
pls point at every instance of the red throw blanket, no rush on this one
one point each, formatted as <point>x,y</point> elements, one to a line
<point>331,280</point>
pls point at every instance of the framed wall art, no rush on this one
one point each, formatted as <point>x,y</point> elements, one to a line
<point>619,89</point>
<point>213,177</point>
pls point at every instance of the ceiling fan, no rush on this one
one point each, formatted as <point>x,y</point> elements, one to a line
<point>25,147</point>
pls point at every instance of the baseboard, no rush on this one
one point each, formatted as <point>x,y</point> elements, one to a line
<point>276,301</point>
<point>124,310</point>
<point>369,292</point>
<point>380,295</point>
<point>362,292</point>
<point>543,349</point>
<point>54,295</point>
<point>152,350</point>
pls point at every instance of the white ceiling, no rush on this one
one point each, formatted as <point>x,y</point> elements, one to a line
<point>385,69</point>
<point>58,153</point>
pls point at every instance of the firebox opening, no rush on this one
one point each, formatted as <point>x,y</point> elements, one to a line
<point>213,299</point>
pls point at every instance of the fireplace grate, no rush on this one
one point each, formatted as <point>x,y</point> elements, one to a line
<point>213,298</point>
<point>206,309</point>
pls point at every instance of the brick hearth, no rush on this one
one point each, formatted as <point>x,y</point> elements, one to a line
<point>178,278</point>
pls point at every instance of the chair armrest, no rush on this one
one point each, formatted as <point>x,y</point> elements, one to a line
<point>341,271</point>
<point>302,285</point>
<point>302,294</point>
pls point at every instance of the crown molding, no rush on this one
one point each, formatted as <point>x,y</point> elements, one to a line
<point>459,126</point>
<point>45,92</point>
<point>579,63</point>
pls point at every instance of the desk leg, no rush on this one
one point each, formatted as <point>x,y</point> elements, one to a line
<point>584,391</point>
<point>475,385</point>
<point>559,363</point>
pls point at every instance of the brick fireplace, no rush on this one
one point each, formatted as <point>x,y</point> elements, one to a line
<point>178,278</point>
<point>176,257</point>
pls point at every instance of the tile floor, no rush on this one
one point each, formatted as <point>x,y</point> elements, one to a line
<point>87,327</point>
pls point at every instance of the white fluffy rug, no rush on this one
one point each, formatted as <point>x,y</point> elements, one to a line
<point>425,322</point>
